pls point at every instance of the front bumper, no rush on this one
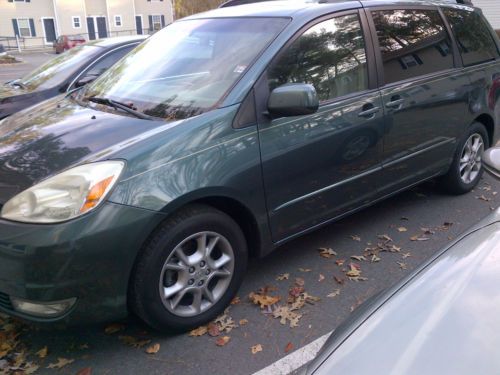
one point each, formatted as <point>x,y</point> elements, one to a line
<point>89,259</point>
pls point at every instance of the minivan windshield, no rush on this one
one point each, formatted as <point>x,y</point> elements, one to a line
<point>59,69</point>
<point>186,68</point>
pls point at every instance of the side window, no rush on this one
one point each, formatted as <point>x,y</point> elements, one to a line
<point>105,63</point>
<point>412,42</point>
<point>474,40</point>
<point>330,55</point>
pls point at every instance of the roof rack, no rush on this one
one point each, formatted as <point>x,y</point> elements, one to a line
<point>232,3</point>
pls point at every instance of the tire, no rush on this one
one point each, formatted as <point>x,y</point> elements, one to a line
<point>456,180</point>
<point>159,270</point>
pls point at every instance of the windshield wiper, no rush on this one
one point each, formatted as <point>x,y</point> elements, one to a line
<point>118,105</point>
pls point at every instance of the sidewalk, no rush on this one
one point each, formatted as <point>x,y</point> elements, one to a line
<point>31,61</point>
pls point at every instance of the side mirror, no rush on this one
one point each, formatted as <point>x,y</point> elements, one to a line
<point>491,161</point>
<point>294,99</point>
<point>85,80</point>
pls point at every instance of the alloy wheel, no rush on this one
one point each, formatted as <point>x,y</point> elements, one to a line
<point>196,274</point>
<point>471,158</point>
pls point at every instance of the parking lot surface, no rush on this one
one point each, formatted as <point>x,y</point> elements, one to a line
<point>394,237</point>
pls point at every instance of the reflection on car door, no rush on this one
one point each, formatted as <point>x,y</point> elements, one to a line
<point>425,98</point>
<point>319,166</point>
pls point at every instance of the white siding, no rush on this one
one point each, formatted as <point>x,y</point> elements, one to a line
<point>491,9</point>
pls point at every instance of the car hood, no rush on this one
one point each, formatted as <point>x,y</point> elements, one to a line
<point>55,135</point>
<point>443,320</point>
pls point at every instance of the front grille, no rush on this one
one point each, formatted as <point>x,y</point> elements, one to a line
<point>5,301</point>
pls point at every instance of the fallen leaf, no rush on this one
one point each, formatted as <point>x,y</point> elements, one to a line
<point>222,341</point>
<point>321,277</point>
<point>406,255</point>
<point>134,342</point>
<point>283,276</point>
<point>483,198</point>
<point>354,271</point>
<point>402,265</point>
<point>113,328</point>
<point>286,314</point>
<point>225,322</point>
<point>243,322</point>
<point>61,362</point>
<point>355,238</point>
<point>402,229</point>
<point>42,353</point>
<point>375,258</point>
<point>213,329</point>
<point>385,237</point>
<point>263,300</point>
<point>153,349</point>
<point>235,301</point>
<point>419,238</point>
<point>334,294</point>
<point>326,252</point>
<point>256,349</point>
<point>359,258</point>
<point>305,269</point>
<point>288,347</point>
<point>200,331</point>
<point>340,262</point>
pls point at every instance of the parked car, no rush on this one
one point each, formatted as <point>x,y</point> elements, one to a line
<point>64,73</point>
<point>223,136</point>
<point>66,42</point>
<point>442,319</point>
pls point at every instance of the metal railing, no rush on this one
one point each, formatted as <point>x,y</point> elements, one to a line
<point>17,43</point>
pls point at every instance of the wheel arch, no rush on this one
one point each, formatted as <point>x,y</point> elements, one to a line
<point>489,124</point>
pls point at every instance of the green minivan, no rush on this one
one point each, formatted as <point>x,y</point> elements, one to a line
<point>225,135</point>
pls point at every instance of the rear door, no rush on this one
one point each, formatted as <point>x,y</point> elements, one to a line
<point>320,166</point>
<point>424,96</point>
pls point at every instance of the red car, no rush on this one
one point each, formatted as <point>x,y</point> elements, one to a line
<point>66,42</point>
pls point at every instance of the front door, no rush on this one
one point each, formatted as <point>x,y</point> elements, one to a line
<point>425,98</point>
<point>138,24</point>
<point>102,31</point>
<point>91,28</point>
<point>321,166</point>
<point>50,30</point>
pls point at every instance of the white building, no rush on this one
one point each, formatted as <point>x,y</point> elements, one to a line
<point>491,9</point>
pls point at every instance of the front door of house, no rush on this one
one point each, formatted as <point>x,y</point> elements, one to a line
<point>138,24</point>
<point>91,28</point>
<point>102,31</point>
<point>50,30</point>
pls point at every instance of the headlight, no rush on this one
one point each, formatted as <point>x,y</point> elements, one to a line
<point>66,195</point>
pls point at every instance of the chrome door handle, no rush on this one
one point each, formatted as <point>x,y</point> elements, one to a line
<point>369,112</point>
<point>395,103</point>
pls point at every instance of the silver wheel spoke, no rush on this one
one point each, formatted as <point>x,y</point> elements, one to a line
<point>178,298</point>
<point>182,257</point>
<point>208,295</point>
<point>211,245</point>
<point>170,291</point>
<point>197,296</point>
<point>175,267</point>
<point>222,261</point>
<point>221,273</point>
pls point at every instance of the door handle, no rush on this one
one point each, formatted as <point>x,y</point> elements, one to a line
<point>396,102</point>
<point>369,111</point>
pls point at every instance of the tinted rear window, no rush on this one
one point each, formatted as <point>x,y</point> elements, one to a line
<point>412,42</point>
<point>474,39</point>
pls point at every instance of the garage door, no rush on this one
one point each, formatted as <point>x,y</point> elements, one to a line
<point>491,9</point>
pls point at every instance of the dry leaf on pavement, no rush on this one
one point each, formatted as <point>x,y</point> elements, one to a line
<point>222,341</point>
<point>256,348</point>
<point>283,276</point>
<point>335,293</point>
<point>61,362</point>
<point>42,353</point>
<point>200,331</point>
<point>114,328</point>
<point>153,349</point>
<point>402,229</point>
<point>263,300</point>
<point>326,252</point>
<point>243,322</point>
<point>288,347</point>
<point>355,238</point>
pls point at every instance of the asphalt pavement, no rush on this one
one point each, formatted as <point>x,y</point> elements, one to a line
<point>30,61</point>
<point>412,225</point>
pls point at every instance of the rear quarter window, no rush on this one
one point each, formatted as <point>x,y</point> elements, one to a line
<point>413,43</point>
<point>474,39</point>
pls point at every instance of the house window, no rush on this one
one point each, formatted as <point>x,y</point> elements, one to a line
<point>76,23</point>
<point>24,27</point>
<point>157,22</point>
<point>118,21</point>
